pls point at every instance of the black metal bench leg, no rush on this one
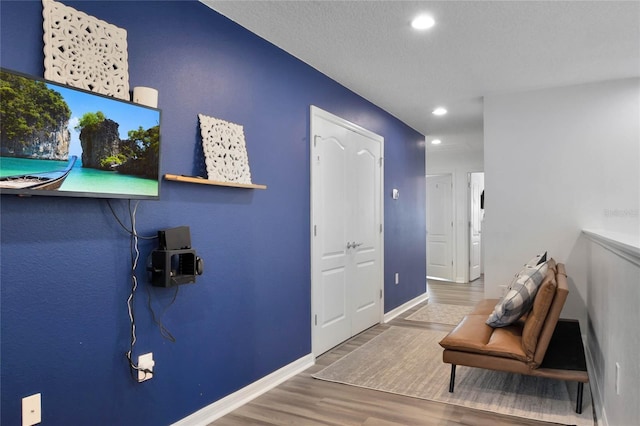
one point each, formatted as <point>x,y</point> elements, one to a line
<point>579,402</point>
<point>452,381</point>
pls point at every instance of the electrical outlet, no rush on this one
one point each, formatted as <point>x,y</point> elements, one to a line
<point>397,277</point>
<point>32,410</point>
<point>617,378</point>
<point>145,362</point>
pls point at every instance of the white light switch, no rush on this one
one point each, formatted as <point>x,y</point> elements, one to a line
<point>31,409</point>
<point>395,194</point>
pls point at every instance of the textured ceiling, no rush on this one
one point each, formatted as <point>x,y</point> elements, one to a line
<point>476,48</point>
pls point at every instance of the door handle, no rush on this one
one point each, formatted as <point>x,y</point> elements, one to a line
<point>349,245</point>
<point>356,245</point>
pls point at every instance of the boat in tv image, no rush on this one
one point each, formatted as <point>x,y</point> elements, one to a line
<point>64,141</point>
<point>41,180</point>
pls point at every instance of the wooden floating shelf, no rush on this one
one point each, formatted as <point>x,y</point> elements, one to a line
<point>203,181</point>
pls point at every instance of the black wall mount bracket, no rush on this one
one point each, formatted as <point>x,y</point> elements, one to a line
<point>175,262</point>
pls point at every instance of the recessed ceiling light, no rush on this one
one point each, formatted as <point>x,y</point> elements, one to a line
<point>436,142</point>
<point>439,111</point>
<point>423,22</point>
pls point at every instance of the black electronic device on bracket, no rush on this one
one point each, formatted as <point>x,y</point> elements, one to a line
<point>174,262</point>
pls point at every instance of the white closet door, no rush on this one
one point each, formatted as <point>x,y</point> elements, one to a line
<point>439,227</point>
<point>476,186</point>
<point>346,234</point>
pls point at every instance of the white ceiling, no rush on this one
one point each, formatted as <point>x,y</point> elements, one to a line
<point>476,48</point>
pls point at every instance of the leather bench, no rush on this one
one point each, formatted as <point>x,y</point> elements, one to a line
<point>519,347</point>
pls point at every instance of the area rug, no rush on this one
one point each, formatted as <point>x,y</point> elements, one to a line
<point>408,361</point>
<point>440,313</point>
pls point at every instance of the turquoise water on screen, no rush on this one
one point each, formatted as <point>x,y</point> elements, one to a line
<point>80,179</point>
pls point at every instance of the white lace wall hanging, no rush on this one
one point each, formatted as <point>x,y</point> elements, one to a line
<point>83,51</point>
<point>224,150</point>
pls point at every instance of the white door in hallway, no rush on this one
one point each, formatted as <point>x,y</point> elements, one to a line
<point>439,227</point>
<point>346,229</point>
<point>476,186</point>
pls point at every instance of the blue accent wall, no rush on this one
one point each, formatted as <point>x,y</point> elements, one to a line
<point>65,263</point>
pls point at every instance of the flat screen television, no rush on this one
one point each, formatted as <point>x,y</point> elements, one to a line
<point>64,141</point>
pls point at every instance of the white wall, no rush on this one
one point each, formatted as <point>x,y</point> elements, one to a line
<point>458,164</point>
<point>558,161</point>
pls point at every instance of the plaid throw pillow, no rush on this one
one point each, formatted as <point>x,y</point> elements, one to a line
<point>519,297</point>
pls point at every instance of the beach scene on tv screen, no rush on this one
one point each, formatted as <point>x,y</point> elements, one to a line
<point>57,138</point>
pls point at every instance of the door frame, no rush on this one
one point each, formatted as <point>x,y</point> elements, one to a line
<point>315,111</point>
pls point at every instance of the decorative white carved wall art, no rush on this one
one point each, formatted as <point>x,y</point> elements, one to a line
<point>224,150</point>
<point>84,51</point>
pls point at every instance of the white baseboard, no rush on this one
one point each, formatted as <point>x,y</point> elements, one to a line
<point>596,396</point>
<point>214,411</point>
<point>437,279</point>
<point>405,307</point>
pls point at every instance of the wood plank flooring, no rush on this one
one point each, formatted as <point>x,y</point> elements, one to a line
<point>304,401</point>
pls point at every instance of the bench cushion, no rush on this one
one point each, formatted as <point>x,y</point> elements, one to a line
<point>537,315</point>
<point>472,334</point>
<point>484,307</point>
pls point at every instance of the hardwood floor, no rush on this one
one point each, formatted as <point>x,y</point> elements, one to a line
<point>304,401</point>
